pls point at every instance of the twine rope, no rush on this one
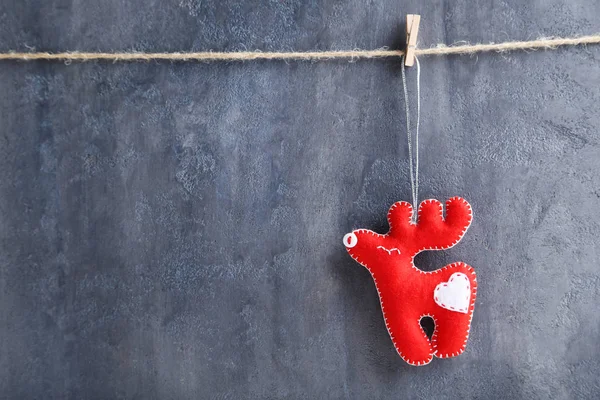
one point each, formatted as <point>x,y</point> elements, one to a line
<point>439,50</point>
<point>414,171</point>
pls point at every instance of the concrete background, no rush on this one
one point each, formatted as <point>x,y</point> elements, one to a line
<point>173,231</point>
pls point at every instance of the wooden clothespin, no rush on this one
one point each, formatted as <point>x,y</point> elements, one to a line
<point>412,30</point>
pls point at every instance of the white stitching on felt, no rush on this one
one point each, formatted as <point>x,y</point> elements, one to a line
<point>387,326</point>
<point>389,251</point>
<point>461,235</point>
<point>471,308</point>
<point>428,201</point>
<point>437,295</point>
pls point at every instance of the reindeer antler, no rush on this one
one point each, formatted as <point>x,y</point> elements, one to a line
<point>432,231</point>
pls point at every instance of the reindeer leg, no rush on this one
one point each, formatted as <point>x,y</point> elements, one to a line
<point>451,327</point>
<point>414,346</point>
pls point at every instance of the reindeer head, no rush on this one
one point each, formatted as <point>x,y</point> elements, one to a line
<point>406,238</point>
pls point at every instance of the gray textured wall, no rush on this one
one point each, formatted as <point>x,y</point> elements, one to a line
<point>173,231</point>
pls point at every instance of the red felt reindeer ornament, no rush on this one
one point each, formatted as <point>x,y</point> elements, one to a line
<point>408,294</point>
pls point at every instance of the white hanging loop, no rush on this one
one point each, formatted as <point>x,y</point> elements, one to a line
<point>414,170</point>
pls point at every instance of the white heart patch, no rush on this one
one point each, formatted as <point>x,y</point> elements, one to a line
<point>455,294</point>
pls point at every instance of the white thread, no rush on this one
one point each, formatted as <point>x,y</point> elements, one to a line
<point>414,178</point>
<point>389,251</point>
